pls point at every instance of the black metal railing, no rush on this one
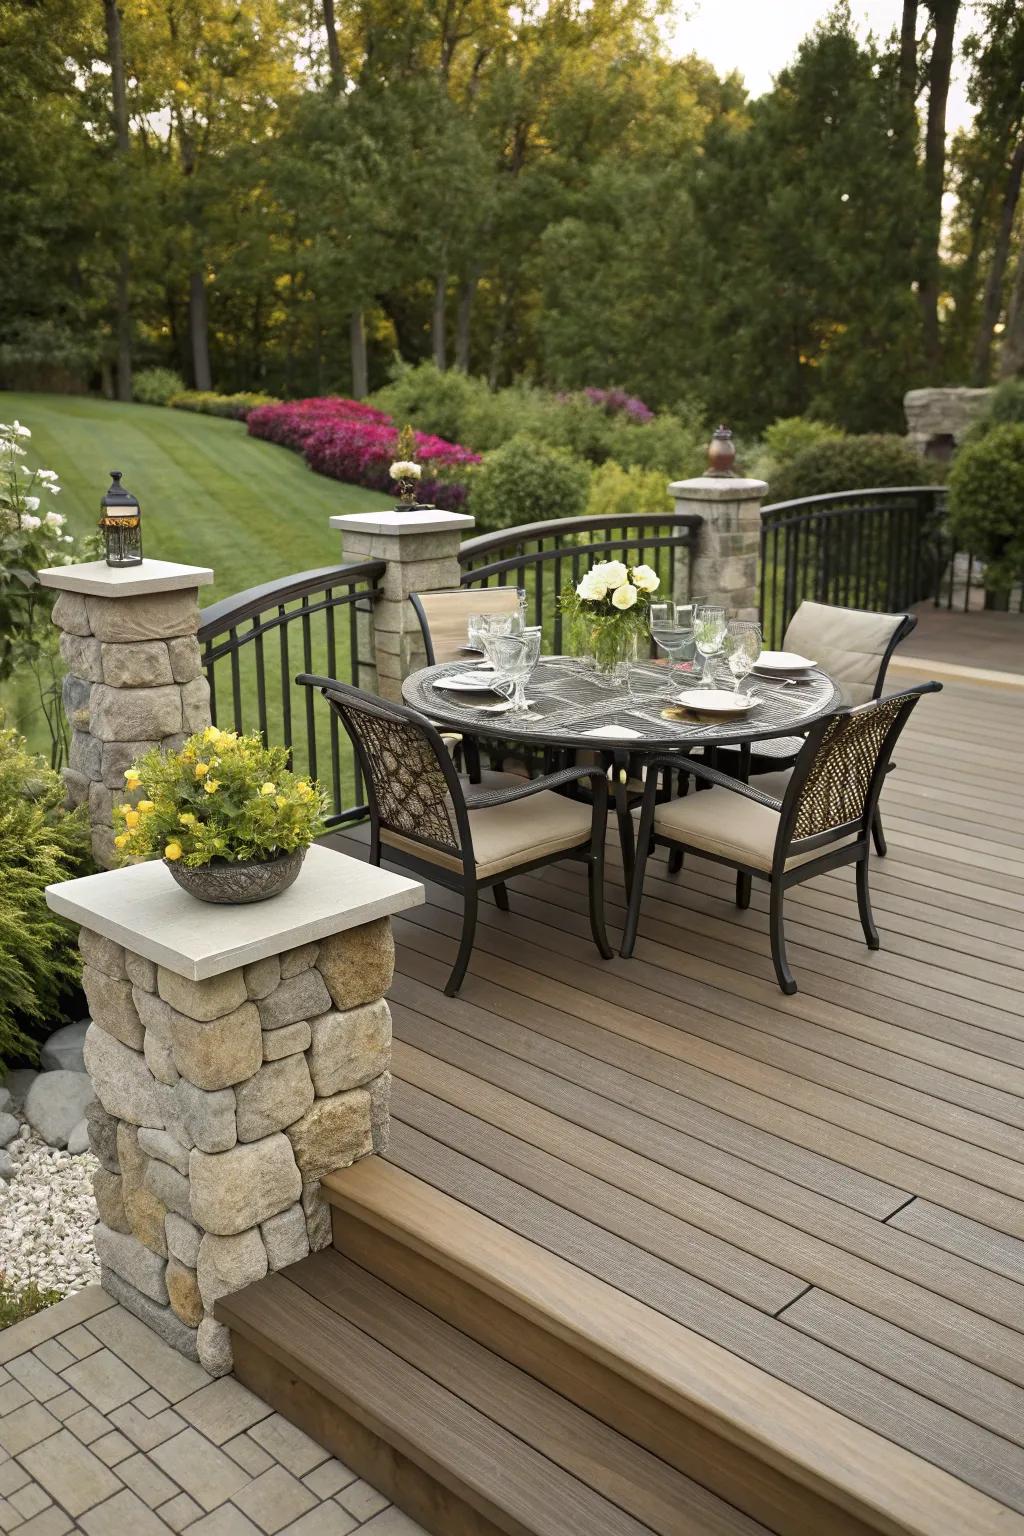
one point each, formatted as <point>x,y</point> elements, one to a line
<point>543,558</point>
<point>882,550</point>
<point>253,645</point>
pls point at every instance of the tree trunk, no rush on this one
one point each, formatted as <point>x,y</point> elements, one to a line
<point>357,346</point>
<point>1011,354</point>
<point>463,324</point>
<point>944,15</point>
<point>119,101</point>
<point>993,300</point>
<point>333,51</point>
<point>199,330</point>
<point>438,328</point>
<point>908,54</point>
<point>498,344</point>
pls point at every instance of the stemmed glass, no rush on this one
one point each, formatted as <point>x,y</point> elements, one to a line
<point>742,648</point>
<point>513,658</point>
<point>668,636</point>
<point>709,631</point>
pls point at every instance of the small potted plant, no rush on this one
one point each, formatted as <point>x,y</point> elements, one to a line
<point>405,471</point>
<point>230,820</point>
<point>609,615</point>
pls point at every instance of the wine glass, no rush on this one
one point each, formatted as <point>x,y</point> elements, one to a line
<point>514,658</point>
<point>742,648</point>
<point>709,630</point>
<point>667,635</point>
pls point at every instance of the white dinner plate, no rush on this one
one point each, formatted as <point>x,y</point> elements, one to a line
<point>716,701</point>
<point>465,682</point>
<point>782,662</point>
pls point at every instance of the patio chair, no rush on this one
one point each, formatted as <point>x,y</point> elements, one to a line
<point>444,617</point>
<point>821,822</point>
<point>424,816</point>
<point>852,646</point>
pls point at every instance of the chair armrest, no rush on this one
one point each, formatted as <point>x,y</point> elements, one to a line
<point>489,797</point>
<point>710,776</point>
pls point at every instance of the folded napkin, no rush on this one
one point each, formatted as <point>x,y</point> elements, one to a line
<point>618,732</point>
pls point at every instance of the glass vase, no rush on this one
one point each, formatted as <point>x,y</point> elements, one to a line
<point>608,647</point>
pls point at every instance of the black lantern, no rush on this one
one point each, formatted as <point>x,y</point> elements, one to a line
<point>121,522</point>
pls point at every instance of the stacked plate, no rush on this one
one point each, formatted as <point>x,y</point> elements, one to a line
<point>781,664</point>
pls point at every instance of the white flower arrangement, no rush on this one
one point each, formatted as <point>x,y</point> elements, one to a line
<point>405,469</point>
<point>619,584</point>
<point>610,604</point>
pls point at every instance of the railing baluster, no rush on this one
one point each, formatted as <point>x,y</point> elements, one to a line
<point>236,683</point>
<point>261,680</point>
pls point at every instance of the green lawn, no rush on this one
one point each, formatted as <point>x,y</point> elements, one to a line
<point>210,494</point>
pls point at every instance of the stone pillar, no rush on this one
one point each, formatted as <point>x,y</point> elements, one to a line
<point>238,1055</point>
<point>134,678</point>
<point>422,554</point>
<point>725,568</point>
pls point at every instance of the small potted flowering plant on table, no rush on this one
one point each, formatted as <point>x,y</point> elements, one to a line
<point>609,615</point>
<point>230,820</point>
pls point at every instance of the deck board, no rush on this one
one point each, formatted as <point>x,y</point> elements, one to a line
<point>830,1185</point>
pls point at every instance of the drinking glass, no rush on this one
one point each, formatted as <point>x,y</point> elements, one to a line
<point>668,636</point>
<point>709,630</point>
<point>474,628</point>
<point>742,648</point>
<point>514,658</point>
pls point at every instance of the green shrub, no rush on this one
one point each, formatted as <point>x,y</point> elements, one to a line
<point>208,403</point>
<point>40,843</point>
<point>986,503</point>
<point>850,464</point>
<point>1005,406</point>
<point>618,492</point>
<point>19,1302</point>
<point>671,444</point>
<point>527,482</point>
<point>785,439</point>
<point>155,386</point>
<point>434,401</point>
<point>493,417</point>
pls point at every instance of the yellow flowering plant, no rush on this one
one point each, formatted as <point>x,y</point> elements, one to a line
<point>221,798</point>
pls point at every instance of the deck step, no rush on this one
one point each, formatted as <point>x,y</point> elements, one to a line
<point>758,1445</point>
<point>460,1438</point>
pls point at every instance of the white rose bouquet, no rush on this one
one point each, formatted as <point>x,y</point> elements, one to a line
<point>609,610</point>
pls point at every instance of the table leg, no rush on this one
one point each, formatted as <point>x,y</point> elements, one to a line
<point>627,835</point>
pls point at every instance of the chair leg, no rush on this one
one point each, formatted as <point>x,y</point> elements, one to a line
<point>455,980</point>
<point>743,883</point>
<point>501,896</point>
<point>595,894</point>
<point>878,836</point>
<point>375,845</point>
<point>867,921</point>
<point>471,753</point>
<point>776,928</point>
<point>636,895</point>
<point>675,860</point>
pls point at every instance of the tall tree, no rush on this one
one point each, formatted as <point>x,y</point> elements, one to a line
<point>122,141</point>
<point>944,15</point>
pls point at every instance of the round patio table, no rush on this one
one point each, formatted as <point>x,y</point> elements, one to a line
<point>570,709</point>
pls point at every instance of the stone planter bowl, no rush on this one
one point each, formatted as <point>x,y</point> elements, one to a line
<point>237,884</point>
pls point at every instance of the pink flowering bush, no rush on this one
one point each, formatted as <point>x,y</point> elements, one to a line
<point>357,443</point>
<point>616,402</point>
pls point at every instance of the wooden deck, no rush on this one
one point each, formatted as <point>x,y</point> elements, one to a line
<point>830,1186</point>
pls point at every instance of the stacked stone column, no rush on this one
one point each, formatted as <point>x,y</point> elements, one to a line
<point>725,566</point>
<point>222,1103</point>
<point>422,554</point>
<point>134,676</point>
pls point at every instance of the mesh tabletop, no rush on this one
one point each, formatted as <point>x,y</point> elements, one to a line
<point>569,708</point>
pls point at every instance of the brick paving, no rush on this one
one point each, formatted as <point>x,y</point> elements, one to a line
<point>106,1431</point>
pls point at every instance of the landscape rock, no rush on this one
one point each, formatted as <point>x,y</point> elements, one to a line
<point>154,616</point>
<point>117,756</point>
<point>273,1098</point>
<point>208,1118</point>
<point>103,1136</point>
<point>7,1169</point>
<point>350,1048</point>
<point>142,664</point>
<point>64,1050</point>
<point>102,953</point>
<point>166,1149</point>
<point>85,756</point>
<point>215,1347</point>
<point>124,1084</point>
<point>160,1059</point>
<point>332,1134</point>
<point>185,658</point>
<point>183,1239</point>
<point>113,1007</point>
<point>302,997</point>
<point>165,1323</point>
<point>295,961</point>
<point>129,1259</point>
<point>141,972</point>
<point>286,1041</point>
<point>195,705</point>
<point>183,1293</point>
<point>169,1187</point>
<point>226,1264</point>
<point>202,1000</point>
<point>70,614</point>
<point>358,965</point>
<point>285,1237</point>
<point>234,1190</point>
<point>109,1192</point>
<point>5,1100</point>
<point>156,1015</point>
<point>130,714</point>
<point>262,977</point>
<point>78,1141</point>
<point>56,1102</point>
<point>9,1128</point>
<point>215,1055</point>
<point>81,655</point>
<point>19,1082</point>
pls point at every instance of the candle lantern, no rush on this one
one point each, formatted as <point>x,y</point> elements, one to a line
<point>121,524</point>
<point>721,454</point>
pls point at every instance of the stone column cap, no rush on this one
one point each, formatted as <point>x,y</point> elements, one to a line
<point>717,488</point>
<point>432,521</point>
<point>142,908</point>
<point>95,578</point>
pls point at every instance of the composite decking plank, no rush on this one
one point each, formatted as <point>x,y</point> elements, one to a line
<point>960,1235</point>
<point>537,1149</point>
<point>979,1458</point>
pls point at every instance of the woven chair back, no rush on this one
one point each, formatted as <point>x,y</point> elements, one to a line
<point>836,789</point>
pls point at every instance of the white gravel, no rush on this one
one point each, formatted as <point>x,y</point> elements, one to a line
<point>47,1213</point>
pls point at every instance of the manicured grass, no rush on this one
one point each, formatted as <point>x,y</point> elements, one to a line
<point>210,494</point>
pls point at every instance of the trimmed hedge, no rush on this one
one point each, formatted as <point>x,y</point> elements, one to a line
<point>208,403</point>
<point>850,464</point>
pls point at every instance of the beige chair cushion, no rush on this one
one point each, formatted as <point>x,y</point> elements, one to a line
<point>721,822</point>
<point>505,836</point>
<point>448,615</point>
<point>847,643</point>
